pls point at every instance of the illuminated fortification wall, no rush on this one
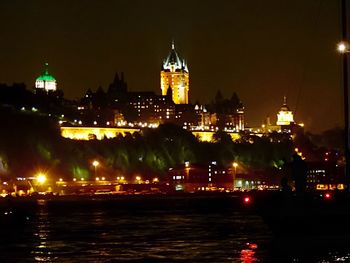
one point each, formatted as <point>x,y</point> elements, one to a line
<point>207,136</point>
<point>88,133</point>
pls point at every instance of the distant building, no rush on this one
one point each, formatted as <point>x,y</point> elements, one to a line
<point>325,175</point>
<point>285,115</point>
<point>151,108</point>
<point>285,122</point>
<point>175,76</point>
<point>198,177</point>
<point>45,81</point>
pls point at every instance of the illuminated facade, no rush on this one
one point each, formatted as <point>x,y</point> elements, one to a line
<point>175,75</point>
<point>285,115</point>
<point>151,108</point>
<point>45,81</point>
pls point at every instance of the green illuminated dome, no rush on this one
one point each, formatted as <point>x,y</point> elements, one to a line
<point>46,76</point>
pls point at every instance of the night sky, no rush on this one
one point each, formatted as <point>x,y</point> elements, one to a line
<point>263,50</point>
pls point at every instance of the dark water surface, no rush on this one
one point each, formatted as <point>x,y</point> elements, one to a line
<point>106,231</point>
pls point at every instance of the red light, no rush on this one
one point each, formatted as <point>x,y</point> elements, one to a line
<point>253,246</point>
<point>247,200</point>
<point>327,196</point>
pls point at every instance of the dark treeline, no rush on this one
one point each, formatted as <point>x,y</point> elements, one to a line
<point>31,142</point>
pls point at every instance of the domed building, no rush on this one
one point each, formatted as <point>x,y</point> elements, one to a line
<point>285,115</point>
<point>175,75</point>
<point>45,81</point>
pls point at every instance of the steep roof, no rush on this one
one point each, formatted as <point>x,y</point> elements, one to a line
<point>173,59</point>
<point>45,76</point>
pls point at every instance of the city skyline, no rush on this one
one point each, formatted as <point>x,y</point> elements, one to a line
<point>267,60</point>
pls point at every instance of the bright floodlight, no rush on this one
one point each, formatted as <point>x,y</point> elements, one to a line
<point>342,47</point>
<point>95,163</point>
<point>41,178</point>
<point>235,164</point>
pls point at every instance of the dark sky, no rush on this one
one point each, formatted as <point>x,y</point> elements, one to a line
<point>263,50</point>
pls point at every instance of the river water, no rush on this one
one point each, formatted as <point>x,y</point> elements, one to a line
<point>100,231</point>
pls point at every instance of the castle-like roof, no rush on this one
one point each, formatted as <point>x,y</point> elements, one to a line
<point>45,76</point>
<point>173,60</point>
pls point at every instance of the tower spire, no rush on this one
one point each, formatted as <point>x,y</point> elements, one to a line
<point>175,77</point>
<point>46,68</point>
<point>285,100</point>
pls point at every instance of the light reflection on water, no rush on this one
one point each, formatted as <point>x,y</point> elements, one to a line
<point>83,233</point>
<point>41,234</point>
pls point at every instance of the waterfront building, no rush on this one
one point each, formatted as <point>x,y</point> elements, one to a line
<point>175,75</point>
<point>46,82</point>
<point>325,175</point>
<point>198,177</point>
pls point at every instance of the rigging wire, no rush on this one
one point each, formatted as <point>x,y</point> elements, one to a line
<point>308,59</point>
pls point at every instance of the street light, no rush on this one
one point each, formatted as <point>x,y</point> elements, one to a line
<point>342,47</point>
<point>95,163</point>
<point>235,165</point>
<point>41,178</point>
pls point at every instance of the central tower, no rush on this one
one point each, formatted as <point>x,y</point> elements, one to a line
<point>46,81</point>
<point>285,115</point>
<point>175,75</point>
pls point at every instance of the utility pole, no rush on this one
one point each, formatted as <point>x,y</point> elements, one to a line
<point>345,90</point>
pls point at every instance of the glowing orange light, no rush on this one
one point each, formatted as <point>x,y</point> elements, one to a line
<point>95,163</point>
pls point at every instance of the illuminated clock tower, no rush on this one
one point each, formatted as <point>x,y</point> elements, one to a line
<point>175,75</point>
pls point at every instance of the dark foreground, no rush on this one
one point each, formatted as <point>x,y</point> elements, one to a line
<point>182,228</point>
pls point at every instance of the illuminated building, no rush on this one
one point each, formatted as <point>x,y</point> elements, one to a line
<point>198,177</point>
<point>326,175</point>
<point>175,76</point>
<point>151,108</point>
<point>45,81</point>
<point>186,115</point>
<point>285,115</point>
<point>285,123</point>
<point>229,121</point>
